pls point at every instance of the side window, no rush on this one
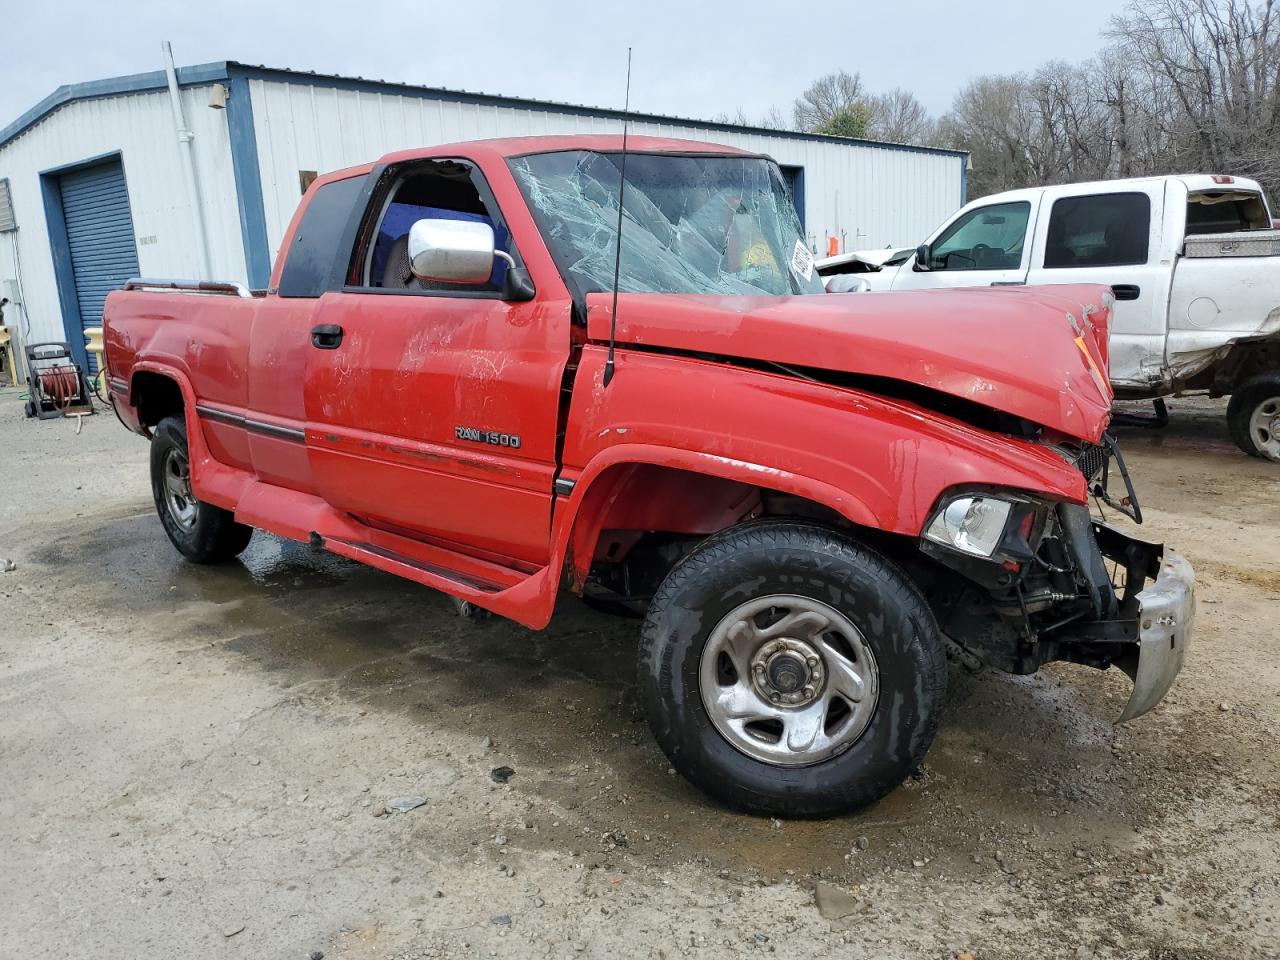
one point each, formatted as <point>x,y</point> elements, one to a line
<point>988,238</point>
<point>317,259</point>
<point>1107,230</point>
<point>436,190</point>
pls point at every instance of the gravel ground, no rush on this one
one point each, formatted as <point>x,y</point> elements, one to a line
<point>193,760</point>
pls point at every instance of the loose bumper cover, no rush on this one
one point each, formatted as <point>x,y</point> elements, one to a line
<point>1167,609</point>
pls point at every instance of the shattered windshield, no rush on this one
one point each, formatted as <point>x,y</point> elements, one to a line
<point>691,224</point>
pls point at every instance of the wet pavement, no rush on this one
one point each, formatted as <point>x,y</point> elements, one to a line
<point>186,751</point>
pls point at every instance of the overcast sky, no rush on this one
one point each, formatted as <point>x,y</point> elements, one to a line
<point>693,58</point>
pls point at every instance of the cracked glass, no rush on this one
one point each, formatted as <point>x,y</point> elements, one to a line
<point>695,223</point>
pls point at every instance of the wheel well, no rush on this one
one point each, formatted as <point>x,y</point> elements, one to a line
<point>155,396</point>
<point>649,517</point>
<point>1247,359</point>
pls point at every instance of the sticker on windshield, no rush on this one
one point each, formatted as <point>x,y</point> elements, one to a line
<point>802,261</point>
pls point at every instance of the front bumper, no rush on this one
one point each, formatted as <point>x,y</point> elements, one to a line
<point>1167,609</point>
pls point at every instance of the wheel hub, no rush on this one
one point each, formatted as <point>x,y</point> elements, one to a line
<point>1264,424</point>
<point>788,680</point>
<point>177,490</point>
<point>787,672</point>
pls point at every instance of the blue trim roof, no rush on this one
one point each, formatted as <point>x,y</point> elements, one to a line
<point>112,87</point>
<point>220,72</point>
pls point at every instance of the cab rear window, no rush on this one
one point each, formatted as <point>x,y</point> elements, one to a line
<point>320,254</point>
<point>1221,211</point>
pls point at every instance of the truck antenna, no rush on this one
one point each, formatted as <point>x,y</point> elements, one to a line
<point>617,257</point>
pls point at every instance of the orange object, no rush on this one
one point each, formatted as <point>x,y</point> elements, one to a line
<point>833,246</point>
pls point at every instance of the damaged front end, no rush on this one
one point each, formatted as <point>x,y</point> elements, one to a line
<point>1040,581</point>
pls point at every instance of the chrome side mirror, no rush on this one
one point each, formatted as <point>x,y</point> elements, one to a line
<point>453,251</point>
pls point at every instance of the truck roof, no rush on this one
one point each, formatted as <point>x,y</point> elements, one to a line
<point>503,148</point>
<point>1194,182</point>
<point>519,146</point>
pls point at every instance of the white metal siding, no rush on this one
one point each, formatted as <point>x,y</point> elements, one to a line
<point>140,127</point>
<point>877,195</point>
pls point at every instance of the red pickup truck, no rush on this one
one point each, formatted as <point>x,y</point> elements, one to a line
<point>811,498</point>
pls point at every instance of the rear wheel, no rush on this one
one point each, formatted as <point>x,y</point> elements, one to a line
<point>1253,416</point>
<point>202,532</point>
<point>788,670</point>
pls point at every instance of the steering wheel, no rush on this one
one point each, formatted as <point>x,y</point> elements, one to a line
<point>980,252</point>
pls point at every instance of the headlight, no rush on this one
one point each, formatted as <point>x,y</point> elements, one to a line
<point>972,524</point>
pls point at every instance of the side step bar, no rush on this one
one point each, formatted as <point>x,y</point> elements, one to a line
<point>398,563</point>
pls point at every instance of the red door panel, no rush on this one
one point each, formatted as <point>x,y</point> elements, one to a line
<point>438,414</point>
<point>279,347</point>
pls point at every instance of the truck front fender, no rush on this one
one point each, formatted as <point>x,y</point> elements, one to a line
<point>874,461</point>
<point>631,471</point>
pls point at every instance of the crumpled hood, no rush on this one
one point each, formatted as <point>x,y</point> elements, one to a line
<point>1039,353</point>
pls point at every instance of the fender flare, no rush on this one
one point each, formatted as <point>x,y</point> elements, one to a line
<point>197,448</point>
<point>577,530</point>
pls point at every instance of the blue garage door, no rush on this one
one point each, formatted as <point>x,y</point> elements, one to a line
<point>95,206</point>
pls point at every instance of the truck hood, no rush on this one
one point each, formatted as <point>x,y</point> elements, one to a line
<point>1038,353</point>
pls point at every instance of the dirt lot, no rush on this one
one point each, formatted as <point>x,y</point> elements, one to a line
<point>190,761</point>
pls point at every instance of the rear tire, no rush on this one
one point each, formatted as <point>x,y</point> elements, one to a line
<point>1253,416</point>
<point>723,674</point>
<point>202,532</point>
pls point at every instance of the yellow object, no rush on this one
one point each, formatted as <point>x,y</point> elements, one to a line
<point>10,361</point>
<point>93,338</point>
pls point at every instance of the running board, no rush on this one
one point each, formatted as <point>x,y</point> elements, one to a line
<point>408,567</point>
<point>528,597</point>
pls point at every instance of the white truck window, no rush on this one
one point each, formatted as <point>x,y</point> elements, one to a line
<point>1105,230</point>
<point>987,238</point>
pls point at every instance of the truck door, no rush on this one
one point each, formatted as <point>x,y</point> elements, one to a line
<point>432,407</point>
<point>986,245</point>
<point>1112,235</point>
<point>280,338</point>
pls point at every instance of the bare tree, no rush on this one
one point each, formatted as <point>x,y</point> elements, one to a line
<point>772,120</point>
<point>1208,73</point>
<point>898,117</point>
<point>828,97</point>
<point>1178,85</point>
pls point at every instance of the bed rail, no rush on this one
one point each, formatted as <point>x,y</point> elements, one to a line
<point>224,287</point>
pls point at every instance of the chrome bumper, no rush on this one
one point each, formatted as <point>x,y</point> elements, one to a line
<point>1168,609</point>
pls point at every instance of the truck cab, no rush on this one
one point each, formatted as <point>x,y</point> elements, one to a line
<point>1193,262</point>
<point>466,374</point>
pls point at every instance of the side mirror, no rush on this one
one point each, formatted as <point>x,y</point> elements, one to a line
<point>922,257</point>
<point>452,251</point>
<point>848,283</point>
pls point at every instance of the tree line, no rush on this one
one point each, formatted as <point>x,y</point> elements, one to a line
<point>1179,86</point>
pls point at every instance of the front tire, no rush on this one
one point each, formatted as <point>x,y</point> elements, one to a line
<point>788,670</point>
<point>202,532</point>
<point>1253,416</point>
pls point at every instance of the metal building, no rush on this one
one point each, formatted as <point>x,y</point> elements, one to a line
<point>101,185</point>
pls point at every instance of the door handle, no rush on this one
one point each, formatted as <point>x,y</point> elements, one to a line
<point>326,336</point>
<point>1126,291</point>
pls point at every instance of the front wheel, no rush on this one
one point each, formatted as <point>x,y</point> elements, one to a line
<point>1253,416</point>
<point>788,670</point>
<point>202,532</point>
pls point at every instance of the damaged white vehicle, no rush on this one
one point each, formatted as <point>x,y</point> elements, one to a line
<point>1194,262</point>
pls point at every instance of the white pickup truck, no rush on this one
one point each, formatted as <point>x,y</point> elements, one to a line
<point>1194,262</point>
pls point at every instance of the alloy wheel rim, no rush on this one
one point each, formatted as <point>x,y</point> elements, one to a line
<point>177,489</point>
<point>788,680</point>
<point>1264,427</point>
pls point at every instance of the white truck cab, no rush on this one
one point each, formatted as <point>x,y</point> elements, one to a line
<point>1194,262</point>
